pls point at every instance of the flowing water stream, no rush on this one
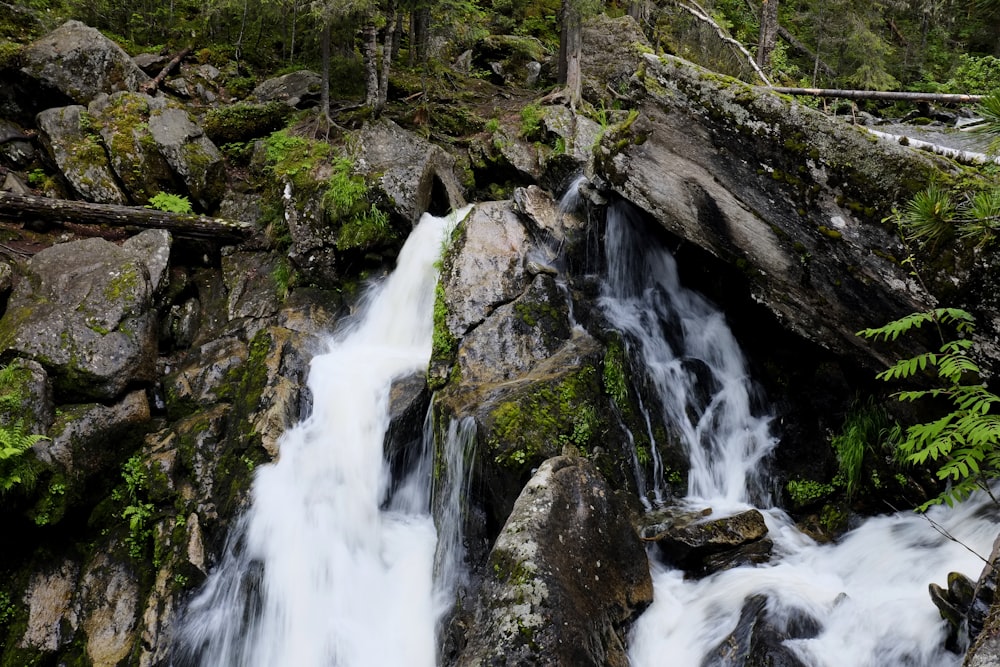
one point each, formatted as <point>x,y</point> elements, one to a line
<point>867,593</point>
<point>325,569</point>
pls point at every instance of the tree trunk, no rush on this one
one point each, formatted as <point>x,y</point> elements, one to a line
<point>29,208</point>
<point>768,33</point>
<point>387,48</point>
<point>570,44</point>
<point>369,55</point>
<point>324,89</point>
<point>893,95</point>
<point>420,21</point>
<point>155,82</point>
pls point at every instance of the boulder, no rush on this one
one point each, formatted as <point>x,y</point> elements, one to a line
<point>15,154</point>
<point>53,614</point>
<point>414,175</point>
<point>192,156</point>
<point>81,63</point>
<point>700,546</point>
<point>123,119</point>
<point>757,639</point>
<point>299,89</point>
<point>792,196</point>
<point>71,138</point>
<point>566,576</point>
<point>84,310</point>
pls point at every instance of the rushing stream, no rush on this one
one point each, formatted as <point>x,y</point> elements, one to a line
<point>325,569</point>
<point>867,593</point>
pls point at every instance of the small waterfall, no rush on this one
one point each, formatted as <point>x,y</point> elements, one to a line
<point>451,488</point>
<point>325,570</point>
<point>693,362</point>
<point>867,594</point>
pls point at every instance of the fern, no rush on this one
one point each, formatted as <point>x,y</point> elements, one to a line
<point>963,444</point>
<point>16,469</point>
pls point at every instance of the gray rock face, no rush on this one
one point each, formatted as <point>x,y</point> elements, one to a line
<point>488,268</point>
<point>81,62</point>
<point>84,311</point>
<point>567,572</point>
<point>123,119</point>
<point>296,89</point>
<point>74,144</point>
<point>792,195</point>
<point>414,174</point>
<point>192,155</point>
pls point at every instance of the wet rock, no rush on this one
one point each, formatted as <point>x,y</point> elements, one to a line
<point>81,63</point>
<point>109,609</point>
<point>768,184</point>
<point>72,140</point>
<point>546,217</point>
<point>254,291</point>
<point>414,175</point>
<point>487,266</point>
<point>984,616</point>
<point>757,639</point>
<point>299,89</point>
<point>84,311</point>
<point>566,576</point>
<point>704,546</point>
<point>203,375</point>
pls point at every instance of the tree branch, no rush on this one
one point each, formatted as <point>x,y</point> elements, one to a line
<point>699,13</point>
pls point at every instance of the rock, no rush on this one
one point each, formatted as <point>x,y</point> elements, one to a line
<point>152,247</point>
<point>72,140</point>
<point>612,52</point>
<point>299,89</point>
<point>201,377</point>
<point>521,334</point>
<point>84,311</point>
<point>15,154</point>
<point>80,431</point>
<point>487,266</point>
<point>191,155</point>
<point>14,185</point>
<point>696,546</point>
<point>414,175</point>
<point>81,63</point>
<point>109,610</point>
<point>579,134</point>
<point>36,410</point>
<point>566,576</point>
<point>984,616</point>
<point>757,639</point>
<point>150,63</point>
<point>123,121</point>
<point>547,218</point>
<point>778,188</point>
<point>53,615</point>
<point>254,292</point>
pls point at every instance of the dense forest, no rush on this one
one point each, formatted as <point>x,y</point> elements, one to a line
<point>929,45</point>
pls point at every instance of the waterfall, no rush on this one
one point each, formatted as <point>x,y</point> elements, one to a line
<point>867,594</point>
<point>325,569</point>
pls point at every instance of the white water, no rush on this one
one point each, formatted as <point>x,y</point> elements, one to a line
<point>868,591</point>
<point>322,571</point>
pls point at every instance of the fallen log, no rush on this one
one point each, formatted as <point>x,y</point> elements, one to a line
<point>890,95</point>
<point>155,82</point>
<point>29,208</point>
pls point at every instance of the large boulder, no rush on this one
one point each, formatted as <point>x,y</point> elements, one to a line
<point>566,576</point>
<point>84,310</point>
<point>81,63</point>
<point>123,122</point>
<point>192,156</point>
<point>413,174</point>
<point>72,139</point>
<point>792,197</point>
<point>296,89</point>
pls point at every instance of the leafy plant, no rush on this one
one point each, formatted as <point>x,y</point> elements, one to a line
<point>137,511</point>
<point>964,443</point>
<point>531,122</point>
<point>989,109</point>
<point>866,426</point>
<point>16,468</point>
<point>929,217</point>
<point>171,203</point>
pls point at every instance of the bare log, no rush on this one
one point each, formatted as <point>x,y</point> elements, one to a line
<point>891,95</point>
<point>29,208</point>
<point>697,11</point>
<point>155,82</point>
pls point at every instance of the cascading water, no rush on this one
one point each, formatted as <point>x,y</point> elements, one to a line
<point>867,594</point>
<point>325,570</point>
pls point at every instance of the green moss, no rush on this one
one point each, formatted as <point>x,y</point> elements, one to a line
<point>831,233</point>
<point>535,425</point>
<point>244,121</point>
<point>615,382</point>
<point>443,343</point>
